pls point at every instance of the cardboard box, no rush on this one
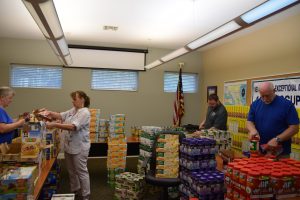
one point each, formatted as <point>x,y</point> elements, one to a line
<point>17,181</point>
<point>63,197</point>
<point>10,152</point>
<point>18,196</point>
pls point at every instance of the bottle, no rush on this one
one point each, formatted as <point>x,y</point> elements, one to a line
<point>254,145</point>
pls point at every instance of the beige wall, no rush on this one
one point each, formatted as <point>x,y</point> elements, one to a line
<point>269,51</point>
<point>148,106</point>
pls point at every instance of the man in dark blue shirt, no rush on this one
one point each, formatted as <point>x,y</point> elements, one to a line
<point>273,119</point>
<point>216,116</point>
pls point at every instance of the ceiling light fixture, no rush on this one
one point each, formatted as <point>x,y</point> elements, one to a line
<point>174,54</point>
<point>154,64</point>
<point>213,35</point>
<point>44,14</point>
<point>264,10</point>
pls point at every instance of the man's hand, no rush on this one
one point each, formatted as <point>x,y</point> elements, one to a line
<point>201,126</point>
<point>273,142</point>
<point>252,135</point>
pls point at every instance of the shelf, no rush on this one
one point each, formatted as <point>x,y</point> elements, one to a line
<point>45,171</point>
<point>129,140</point>
<point>237,148</point>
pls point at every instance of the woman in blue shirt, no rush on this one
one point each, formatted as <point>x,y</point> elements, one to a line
<point>7,124</point>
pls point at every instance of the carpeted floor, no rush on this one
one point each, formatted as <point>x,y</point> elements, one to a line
<point>100,190</point>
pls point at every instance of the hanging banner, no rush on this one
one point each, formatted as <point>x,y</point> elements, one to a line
<point>235,93</point>
<point>289,88</point>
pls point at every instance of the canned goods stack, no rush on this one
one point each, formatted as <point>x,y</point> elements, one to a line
<point>103,130</point>
<point>167,156</point>
<point>222,138</point>
<point>196,155</point>
<point>129,186</point>
<point>117,147</point>
<point>262,178</point>
<point>295,154</point>
<point>94,124</point>
<point>147,138</point>
<point>204,185</point>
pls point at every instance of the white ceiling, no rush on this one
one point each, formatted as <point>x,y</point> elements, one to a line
<point>141,23</point>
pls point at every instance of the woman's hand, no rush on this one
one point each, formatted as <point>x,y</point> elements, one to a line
<point>45,112</point>
<point>50,125</point>
<point>20,122</point>
<point>50,115</point>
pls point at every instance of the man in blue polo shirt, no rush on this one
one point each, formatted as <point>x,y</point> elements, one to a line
<point>273,119</point>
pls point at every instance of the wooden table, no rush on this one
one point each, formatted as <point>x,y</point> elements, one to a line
<point>45,171</point>
<point>133,140</point>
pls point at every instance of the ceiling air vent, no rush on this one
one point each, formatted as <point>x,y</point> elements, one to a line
<point>112,28</point>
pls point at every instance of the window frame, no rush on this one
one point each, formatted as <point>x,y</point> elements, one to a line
<point>183,73</point>
<point>116,89</point>
<point>13,65</point>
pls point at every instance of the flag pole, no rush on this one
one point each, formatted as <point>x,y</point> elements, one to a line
<point>181,64</point>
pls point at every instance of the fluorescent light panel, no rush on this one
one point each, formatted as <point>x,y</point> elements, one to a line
<point>215,34</point>
<point>49,11</point>
<point>265,9</point>
<point>36,18</point>
<point>44,14</point>
<point>154,64</point>
<point>69,60</point>
<point>53,46</point>
<point>174,54</point>
<point>63,46</point>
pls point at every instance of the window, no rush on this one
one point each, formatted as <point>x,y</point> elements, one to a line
<point>114,80</point>
<point>32,76</point>
<point>189,82</point>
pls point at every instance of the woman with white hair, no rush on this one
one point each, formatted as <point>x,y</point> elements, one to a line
<point>7,124</point>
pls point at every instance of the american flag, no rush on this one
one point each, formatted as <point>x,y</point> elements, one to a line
<point>178,103</point>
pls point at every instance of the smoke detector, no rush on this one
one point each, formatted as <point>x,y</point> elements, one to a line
<point>110,28</point>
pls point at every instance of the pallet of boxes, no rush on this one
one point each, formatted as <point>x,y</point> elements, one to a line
<point>167,159</point>
<point>129,186</point>
<point>198,174</point>
<point>117,147</point>
<point>147,138</point>
<point>94,124</point>
<point>103,130</point>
